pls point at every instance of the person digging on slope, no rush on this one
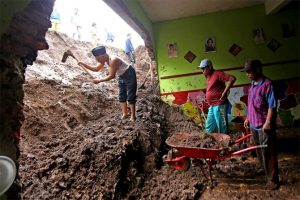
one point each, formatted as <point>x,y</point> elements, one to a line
<point>125,75</point>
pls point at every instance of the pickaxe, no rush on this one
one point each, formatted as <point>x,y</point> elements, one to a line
<point>69,53</point>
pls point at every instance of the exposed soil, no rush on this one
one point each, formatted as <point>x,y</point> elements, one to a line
<point>74,144</point>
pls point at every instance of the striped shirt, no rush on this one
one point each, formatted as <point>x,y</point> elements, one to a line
<point>261,97</point>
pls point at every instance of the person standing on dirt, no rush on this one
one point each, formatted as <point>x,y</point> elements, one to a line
<point>129,50</point>
<point>55,20</point>
<point>125,74</point>
<point>75,21</point>
<point>109,37</point>
<point>94,34</point>
<point>261,119</point>
<point>216,97</point>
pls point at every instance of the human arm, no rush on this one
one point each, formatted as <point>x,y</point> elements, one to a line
<point>246,123</point>
<point>230,81</point>
<point>112,71</point>
<point>92,68</point>
<point>271,113</point>
<point>268,123</point>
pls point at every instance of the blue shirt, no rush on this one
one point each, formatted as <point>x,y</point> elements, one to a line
<point>110,36</point>
<point>55,15</point>
<point>128,46</point>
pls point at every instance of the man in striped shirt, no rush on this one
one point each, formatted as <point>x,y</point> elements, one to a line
<point>261,119</point>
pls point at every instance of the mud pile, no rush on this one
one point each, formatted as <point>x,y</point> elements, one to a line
<point>200,140</point>
<point>74,144</point>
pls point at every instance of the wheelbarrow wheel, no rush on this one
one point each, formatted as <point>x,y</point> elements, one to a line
<point>182,164</point>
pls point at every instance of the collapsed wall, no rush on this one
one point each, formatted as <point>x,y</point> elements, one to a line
<point>19,46</point>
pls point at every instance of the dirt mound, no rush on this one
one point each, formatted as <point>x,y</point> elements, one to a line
<point>200,140</point>
<point>74,144</point>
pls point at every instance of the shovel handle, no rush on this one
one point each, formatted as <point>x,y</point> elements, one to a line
<point>86,70</point>
<point>89,73</point>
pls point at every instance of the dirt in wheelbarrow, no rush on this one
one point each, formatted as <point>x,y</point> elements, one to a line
<point>75,146</point>
<point>199,140</point>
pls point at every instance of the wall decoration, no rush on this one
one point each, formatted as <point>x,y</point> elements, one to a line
<point>273,45</point>
<point>259,36</point>
<point>295,112</point>
<point>288,111</point>
<point>288,31</point>
<point>190,56</point>
<point>239,109</point>
<point>210,44</point>
<point>172,50</point>
<point>235,49</point>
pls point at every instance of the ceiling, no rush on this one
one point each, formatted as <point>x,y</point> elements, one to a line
<point>160,10</point>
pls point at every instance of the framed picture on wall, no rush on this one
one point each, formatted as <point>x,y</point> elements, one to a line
<point>235,49</point>
<point>259,36</point>
<point>210,44</point>
<point>273,45</point>
<point>288,31</point>
<point>190,56</point>
<point>172,50</point>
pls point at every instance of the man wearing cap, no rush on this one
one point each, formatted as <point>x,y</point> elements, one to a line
<point>126,76</point>
<point>216,97</point>
<point>261,119</point>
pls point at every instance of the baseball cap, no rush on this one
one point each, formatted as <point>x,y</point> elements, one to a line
<point>204,63</point>
<point>252,65</point>
<point>98,51</point>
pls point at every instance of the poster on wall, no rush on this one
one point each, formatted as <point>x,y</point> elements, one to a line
<point>288,31</point>
<point>235,49</point>
<point>190,56</point>
<point>172,50</point>
<point>259,36</point>
<point>210,44</point>
<point>273,45</point>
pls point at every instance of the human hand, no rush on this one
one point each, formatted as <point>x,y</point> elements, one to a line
<point>80,63</point>
<point>222,98</point>
<point>96,81</point>
<point>246,123</point>
<point>266,127</point>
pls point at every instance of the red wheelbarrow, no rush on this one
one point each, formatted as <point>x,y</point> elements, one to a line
<point>201,156</point>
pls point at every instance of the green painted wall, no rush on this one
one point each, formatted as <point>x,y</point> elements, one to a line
<point>7,9</point>
<point>228,27</point>
<point>136,10</point>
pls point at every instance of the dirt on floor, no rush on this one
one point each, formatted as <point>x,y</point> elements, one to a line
<point>74,144</point>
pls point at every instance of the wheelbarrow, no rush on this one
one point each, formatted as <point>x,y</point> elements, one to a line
<point>202,156</point>
<point>238,122</point>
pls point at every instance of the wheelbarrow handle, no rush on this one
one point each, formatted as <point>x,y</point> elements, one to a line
<point>176,159</point>
<point>243,138</point>
<point>247,149</point>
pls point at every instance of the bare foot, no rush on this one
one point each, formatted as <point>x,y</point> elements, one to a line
<point>124,116</point>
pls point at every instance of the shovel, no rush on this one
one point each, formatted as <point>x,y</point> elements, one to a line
<point>69,53</point>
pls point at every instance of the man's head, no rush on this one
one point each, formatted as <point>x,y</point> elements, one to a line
<point>206,66</point>
<point>253,69</point>
<point>99,53</point>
